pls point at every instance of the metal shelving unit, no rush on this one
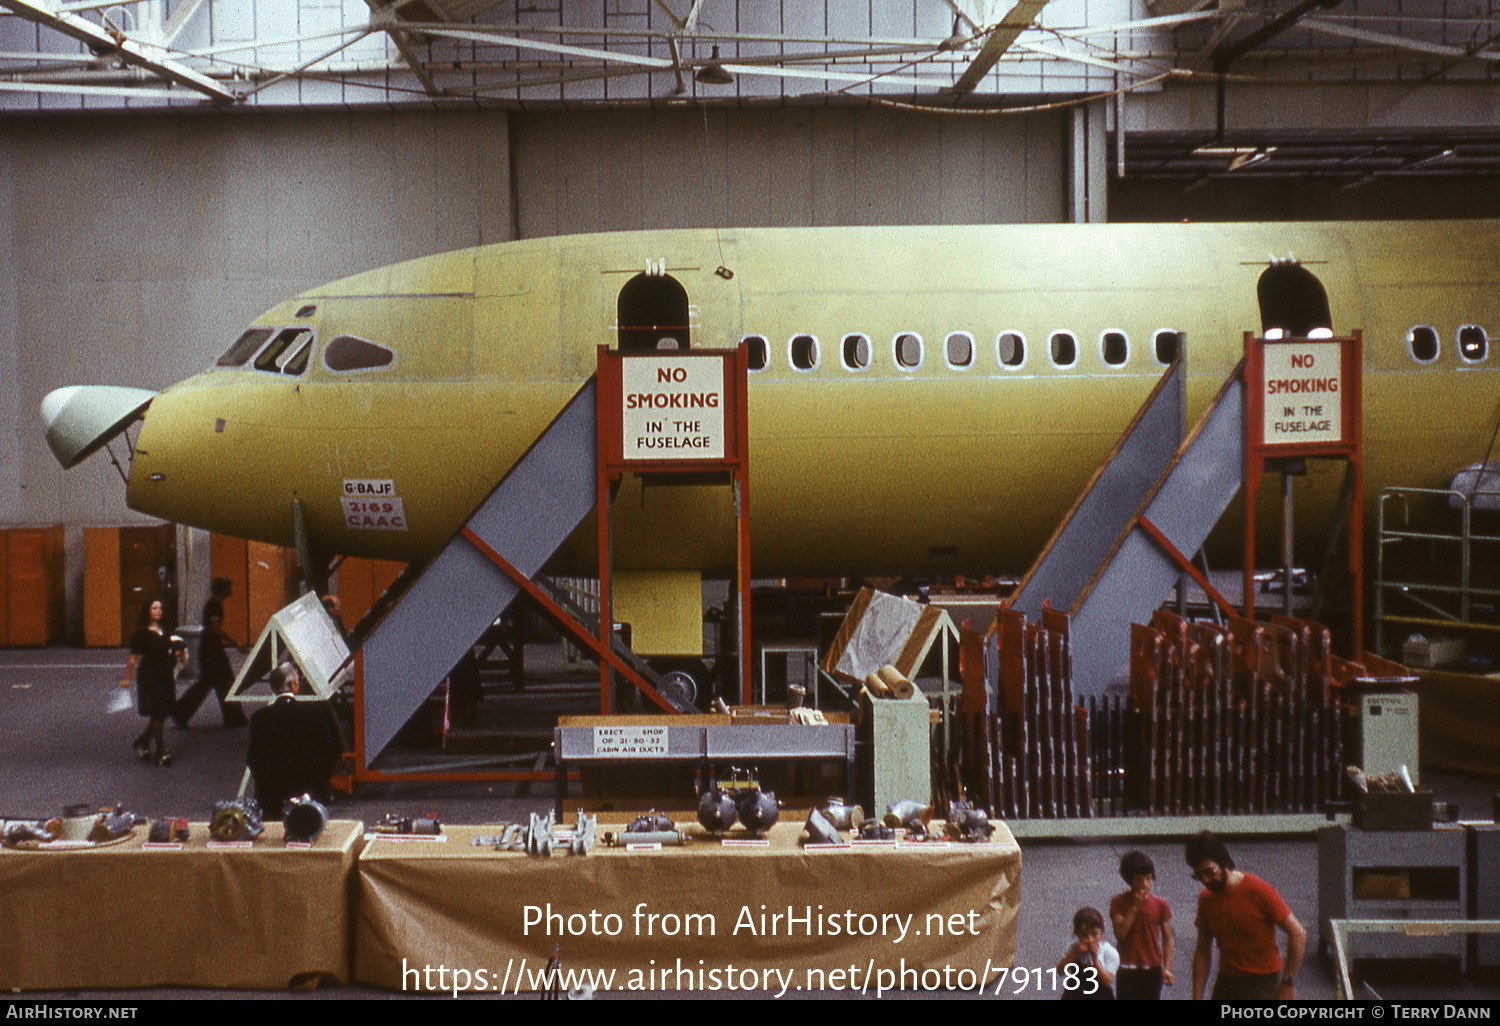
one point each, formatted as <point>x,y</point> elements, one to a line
<point>1448,598</point>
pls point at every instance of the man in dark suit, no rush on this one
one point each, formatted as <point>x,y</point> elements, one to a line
<point>293,747</point>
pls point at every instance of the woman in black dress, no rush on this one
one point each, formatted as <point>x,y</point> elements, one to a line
<point>152,658</point>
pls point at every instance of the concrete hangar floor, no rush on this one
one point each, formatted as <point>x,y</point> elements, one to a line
<point>59,746</point>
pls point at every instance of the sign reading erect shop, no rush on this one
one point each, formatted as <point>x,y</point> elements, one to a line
<point>672,408</point>
<point>1303,398</point>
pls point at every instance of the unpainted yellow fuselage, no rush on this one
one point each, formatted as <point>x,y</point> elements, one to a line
<point>880,471</point>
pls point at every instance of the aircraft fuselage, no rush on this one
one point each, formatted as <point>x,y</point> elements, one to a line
<point>943,466</point>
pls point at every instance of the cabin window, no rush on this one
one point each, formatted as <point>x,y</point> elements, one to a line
<point>856,352</point>
<point>1473,343</point>
<point>305,311</point>
<point>651,309</point>
<point>1114,347</point>
<point>1064,348</point>
<point>245,347</point>
<point>1010,349</point>
<point>288,343</point>
<point>347,353</point>
<point>908,348</point>
<point>1422,343</point>
<point>1168,345</point>
<point>804,352</point>
<point>960,349</point>
<point>755,359</point>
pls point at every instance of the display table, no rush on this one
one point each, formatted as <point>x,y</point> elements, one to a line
<point>423,905</point>
<point>127,915</point>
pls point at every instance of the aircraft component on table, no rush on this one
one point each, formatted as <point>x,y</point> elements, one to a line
<point>716,811</point>
<point>238,819</point>
<point>675,838</point>
<point>909,814</point>
<point>304,819</point>
<point>395,823</point>
<point>968,823</point>
<point>652,821</point>
<point>820,830</point>
<point>168,831</point>
<point>842,815</point>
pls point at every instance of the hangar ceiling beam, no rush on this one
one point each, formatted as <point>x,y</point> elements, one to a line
<point>1399,42</point>
<point>384,16</point>
<point>108,44</point>
<point>997,42</point>
<point>181,15</point>
<point>687,24</point>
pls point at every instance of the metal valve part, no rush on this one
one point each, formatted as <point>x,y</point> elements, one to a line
<point>820,830</point>
<point>758,811</point>
<point>652,822</point>
<point>664,837</point>
<point>112,825</point>
<point>911,814</point>
<point>716,811</point>
<point>303,819</point>
<point>841,816</point>
<point>236,820</point>
<point>166,831</point>
<point>17,830</point>
<point>584,832</point>
<point>874,830</point>
<point>393,823</point>
<point>539,839</point>
<point>966,823</point>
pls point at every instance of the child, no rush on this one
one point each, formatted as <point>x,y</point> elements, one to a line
<point>1095,957</point>
<point>1143,926</point>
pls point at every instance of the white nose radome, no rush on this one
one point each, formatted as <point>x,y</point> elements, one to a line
<point>80,419</point>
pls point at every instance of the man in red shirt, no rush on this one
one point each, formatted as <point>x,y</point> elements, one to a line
<point>1241,913</point>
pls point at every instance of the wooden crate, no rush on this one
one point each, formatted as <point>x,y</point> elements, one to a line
<point>265,578</point>
<point>361,582</point>
<point>4,591</point>
<point>271,582</point>
<point>34,581</point>
<point>227,559</point>
<point>123,569</point>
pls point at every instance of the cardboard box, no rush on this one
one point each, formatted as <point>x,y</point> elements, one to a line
<point>1393,810</point>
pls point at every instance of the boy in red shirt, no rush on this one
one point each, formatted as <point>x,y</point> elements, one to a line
<point>1143,926</point>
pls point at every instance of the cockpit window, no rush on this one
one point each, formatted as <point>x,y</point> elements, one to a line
<point>284,349</point>
<point>298,362</point>
<point>245,347</point>
<point>347,353</point>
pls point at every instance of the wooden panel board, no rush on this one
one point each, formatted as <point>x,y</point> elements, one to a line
<point>361,582</point>
<point>4,590</point>
<point>227,559</point>
<point>271,583</point>
<point>103,623</point>
<point>36,587</point>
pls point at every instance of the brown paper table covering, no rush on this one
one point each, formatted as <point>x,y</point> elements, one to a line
<point>424,905</point>
<point>131,916</point>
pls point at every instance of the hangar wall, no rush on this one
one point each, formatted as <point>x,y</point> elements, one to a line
<point>784,167</point>
<point>138,247</point>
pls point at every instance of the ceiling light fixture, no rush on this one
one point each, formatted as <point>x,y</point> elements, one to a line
<point>713,72</point>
